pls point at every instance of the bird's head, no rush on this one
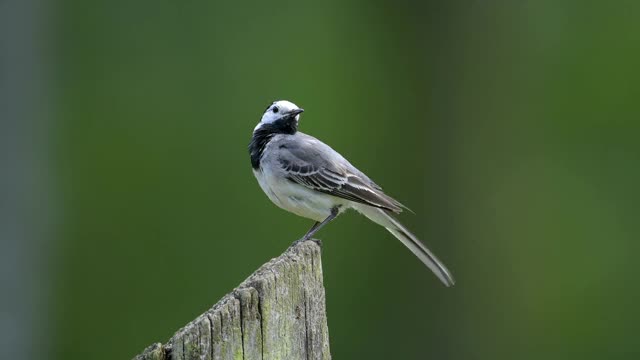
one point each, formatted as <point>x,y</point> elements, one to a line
<point>281,116</point>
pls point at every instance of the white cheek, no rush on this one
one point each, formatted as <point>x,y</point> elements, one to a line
<point>267,118</point>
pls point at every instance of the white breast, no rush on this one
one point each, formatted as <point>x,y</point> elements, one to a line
<point>296,198</point>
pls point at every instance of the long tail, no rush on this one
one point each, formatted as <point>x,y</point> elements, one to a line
<point>381,217</point>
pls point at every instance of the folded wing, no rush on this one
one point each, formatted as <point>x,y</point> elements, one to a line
<point>322,169</point>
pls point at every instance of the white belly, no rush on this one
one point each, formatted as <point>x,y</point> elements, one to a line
<point>297,198</point>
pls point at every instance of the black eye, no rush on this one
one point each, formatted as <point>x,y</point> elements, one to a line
<point>275,109</point>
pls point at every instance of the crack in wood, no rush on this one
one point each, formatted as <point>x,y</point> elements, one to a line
<point>258,302</point>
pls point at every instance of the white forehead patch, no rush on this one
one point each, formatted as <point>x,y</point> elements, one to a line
<point>281,107</point>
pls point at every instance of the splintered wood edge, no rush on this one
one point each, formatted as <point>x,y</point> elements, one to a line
<point>233,327</point>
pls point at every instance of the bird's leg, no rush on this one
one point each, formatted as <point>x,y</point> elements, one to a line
<point>317,226</point>
<point>307,236</point>
<point>313,228</point>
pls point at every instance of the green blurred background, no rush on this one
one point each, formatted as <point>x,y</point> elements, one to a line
<point>509,127</point>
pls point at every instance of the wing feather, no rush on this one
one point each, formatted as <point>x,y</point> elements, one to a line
<point>348,186</point>
<point>309,162</point>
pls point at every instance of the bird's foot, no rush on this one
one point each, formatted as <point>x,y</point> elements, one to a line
<point>303,239</point>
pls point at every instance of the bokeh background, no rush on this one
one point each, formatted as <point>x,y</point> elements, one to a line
<point>511,128</point>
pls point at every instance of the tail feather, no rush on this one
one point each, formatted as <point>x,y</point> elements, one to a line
<point>409,240</point>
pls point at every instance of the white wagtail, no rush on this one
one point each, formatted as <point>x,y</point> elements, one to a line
<point>305,176</point>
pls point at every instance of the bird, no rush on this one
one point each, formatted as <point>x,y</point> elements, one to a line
<point>305,176</point>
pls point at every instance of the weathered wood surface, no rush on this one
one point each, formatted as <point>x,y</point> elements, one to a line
<point>277,313</point>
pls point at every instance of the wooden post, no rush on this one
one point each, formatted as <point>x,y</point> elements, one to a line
<point>277,313</point>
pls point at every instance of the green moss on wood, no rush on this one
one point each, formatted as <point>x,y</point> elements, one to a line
<point>277,313</point>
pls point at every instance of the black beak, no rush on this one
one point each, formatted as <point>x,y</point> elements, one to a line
<point>296,112</point>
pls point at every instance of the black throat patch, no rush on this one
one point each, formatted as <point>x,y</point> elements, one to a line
<point>264,134</point>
